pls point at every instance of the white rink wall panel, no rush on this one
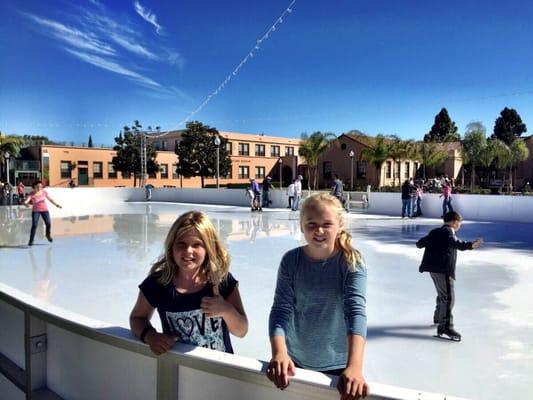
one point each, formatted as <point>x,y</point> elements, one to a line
<point>8,391</point>
<point>82,368</point>
<point>81,201</point>
<point>12,333</point>
<point>471,207</point>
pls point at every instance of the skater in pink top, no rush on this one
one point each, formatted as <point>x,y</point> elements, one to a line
<point>39,208</point>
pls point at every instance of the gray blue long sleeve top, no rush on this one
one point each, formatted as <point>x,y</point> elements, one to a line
<point>316,305</point>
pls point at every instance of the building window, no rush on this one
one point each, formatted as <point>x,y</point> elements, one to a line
<point>164,145</point>
<point>229,148</point>
<point>228,175</point>
<point>259,172</point>
<point>274,151</point>
<point>175,174</point>
<point>244,172</point>
<point>361,169</point>
<point>415,171</point>
<point>289,151</point>
<point>388,170</point>
<point>244,149</point>
<point>66,168</point>
<point>164,171</point>
<point>398,167</point>
<point>111,173</point>
<point>407,169</point>
<point>260,150</point>
<point>326,169</point>
<point>157,145</point>
<point>97,170</point>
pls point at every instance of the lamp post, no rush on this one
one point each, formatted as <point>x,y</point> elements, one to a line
<point>351,154</point>
<point>217,143</point>
<point>6,156</point>
<point>280,172</point>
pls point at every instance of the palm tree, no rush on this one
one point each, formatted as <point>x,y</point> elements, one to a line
<point>473,144</point>
<point>310,148</point>
<point>9,144</point>
<point>510,155</point>
<point>400,150</point>
<point>430,155</point>
<point>377,155</point>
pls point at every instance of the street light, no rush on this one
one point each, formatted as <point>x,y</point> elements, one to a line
<point>280,171</point>
<point>6,156</point>
<point>351,154</point>
<point>217,143</point>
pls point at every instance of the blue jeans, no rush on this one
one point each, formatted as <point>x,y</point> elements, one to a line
<point>446,205</point>
<point>418,212</point>
<point>266,198</point>
<point>296,202</point>
<point>406,207</point>
<point>35,221</point>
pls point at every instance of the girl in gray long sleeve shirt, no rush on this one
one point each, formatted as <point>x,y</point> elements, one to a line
<point>318,319</point>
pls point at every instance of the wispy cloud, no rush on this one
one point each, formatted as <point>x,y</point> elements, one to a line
<point>132,46</point>
<point>95,36</point>
<point>73,36</point>
<point>114,67</point>
<point>147,15</point>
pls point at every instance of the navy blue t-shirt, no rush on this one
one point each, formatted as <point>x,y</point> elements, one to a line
<point>182,316</point>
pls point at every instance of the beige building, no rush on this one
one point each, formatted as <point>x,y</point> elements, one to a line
<point>345,158</point>
<point>252,156</point>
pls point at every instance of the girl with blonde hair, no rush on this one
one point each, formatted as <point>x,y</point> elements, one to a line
<point>196,296</point>
<point>318,319</point>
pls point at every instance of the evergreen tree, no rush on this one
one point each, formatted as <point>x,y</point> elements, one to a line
<point>128,148</point>
<point>508,126</point>
<point>90,142</point>
<point>197,152</point>
<point>443,130</point>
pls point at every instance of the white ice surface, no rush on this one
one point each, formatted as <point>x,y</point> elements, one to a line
<point>96,262</point>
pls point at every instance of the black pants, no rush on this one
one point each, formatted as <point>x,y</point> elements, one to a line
<point>35,221</point>
<point>444,284</point>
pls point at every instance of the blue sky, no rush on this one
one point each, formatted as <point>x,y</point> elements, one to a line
<point>72,69</point>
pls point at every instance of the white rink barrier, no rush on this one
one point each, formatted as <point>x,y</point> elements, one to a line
<point>48,353</point>
<point>470,206</point>
<point>79,201</point>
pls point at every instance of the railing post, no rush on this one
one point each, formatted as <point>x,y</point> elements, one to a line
<point>35,353</point>
<point>167,378</point>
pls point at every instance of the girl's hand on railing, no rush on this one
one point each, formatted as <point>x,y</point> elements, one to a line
<point>159,342</point>
<point>279,370</point>
<point>352,385</point>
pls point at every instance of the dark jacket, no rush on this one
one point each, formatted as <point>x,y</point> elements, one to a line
<point>441,246</point>
<point>407,191</point>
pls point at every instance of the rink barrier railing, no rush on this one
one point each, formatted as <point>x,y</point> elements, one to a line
<point>63,357</point>
<point>81,201</point>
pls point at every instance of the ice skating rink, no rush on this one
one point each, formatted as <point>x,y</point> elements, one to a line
<point>96,262</point>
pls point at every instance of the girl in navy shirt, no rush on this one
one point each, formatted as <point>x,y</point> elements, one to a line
<point>196,297</point>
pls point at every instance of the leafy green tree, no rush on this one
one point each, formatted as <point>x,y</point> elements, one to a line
<point>90,142</point>
<point>128,148</point>
<point>197,152</point>
<point>377,155</point>
<point>311,146</point>
<point>443,130</point>
<point>473,144</point>
<point>430,155</point>
<point>508,126</point>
